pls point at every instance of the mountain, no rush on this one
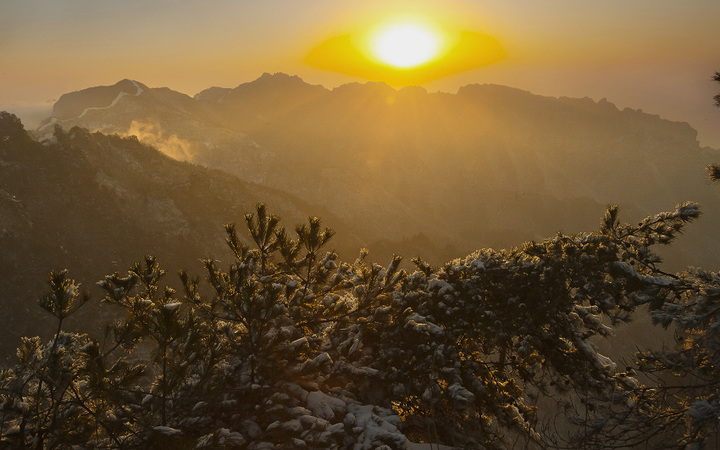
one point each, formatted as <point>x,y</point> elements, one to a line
<point>77,104</point>
<point>96,204</point>
<point>487,166</point>
<point>269,97</point>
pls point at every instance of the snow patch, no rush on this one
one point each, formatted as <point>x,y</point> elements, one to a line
<point>167,431</point>
<point>172,307</point>
<point>324,406</point>
<point>377,429</point>
<point>420,324</point>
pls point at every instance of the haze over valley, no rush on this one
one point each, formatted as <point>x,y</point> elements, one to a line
<point>488,166</point>
<point>398,171</point>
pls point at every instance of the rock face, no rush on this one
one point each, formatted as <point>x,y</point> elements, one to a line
<point>488,166</point>
<point>96,204</point>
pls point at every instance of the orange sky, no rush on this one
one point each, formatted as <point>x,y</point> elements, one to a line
<point>658,55</point>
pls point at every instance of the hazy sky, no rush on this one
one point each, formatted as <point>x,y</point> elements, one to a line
<point>658,55</point>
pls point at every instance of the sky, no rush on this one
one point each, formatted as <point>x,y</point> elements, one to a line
<point>654,55</point>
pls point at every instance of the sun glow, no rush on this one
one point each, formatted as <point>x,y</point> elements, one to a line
<point>405,50</point>
<point>405,45</point>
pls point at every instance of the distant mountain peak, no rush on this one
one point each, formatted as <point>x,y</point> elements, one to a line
<point>377,87</point>
<point>493,89</point>
<point>212,94</point>
<point>271,90</point>
<point>129,84</point>
<point>278,80</point>
<point>76,104</point>
<point>279,76</point>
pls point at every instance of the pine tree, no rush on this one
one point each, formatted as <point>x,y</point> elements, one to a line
<point>288,347</point>
<point>683,402</point>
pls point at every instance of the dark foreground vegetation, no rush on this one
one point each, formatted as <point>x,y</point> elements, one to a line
<point>288,346</point>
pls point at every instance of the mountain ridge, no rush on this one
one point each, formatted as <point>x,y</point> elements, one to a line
<point>402,161</point>
<point>285,83</point>
<point>96,204</point>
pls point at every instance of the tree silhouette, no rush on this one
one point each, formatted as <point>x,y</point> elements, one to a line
<point>683,401</point>
<point>290,347</point>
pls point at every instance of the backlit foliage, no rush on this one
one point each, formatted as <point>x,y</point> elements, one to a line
<point>288,346</point>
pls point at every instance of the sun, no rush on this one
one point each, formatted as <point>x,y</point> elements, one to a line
<point>405,45</point>
<point>405,50</point>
